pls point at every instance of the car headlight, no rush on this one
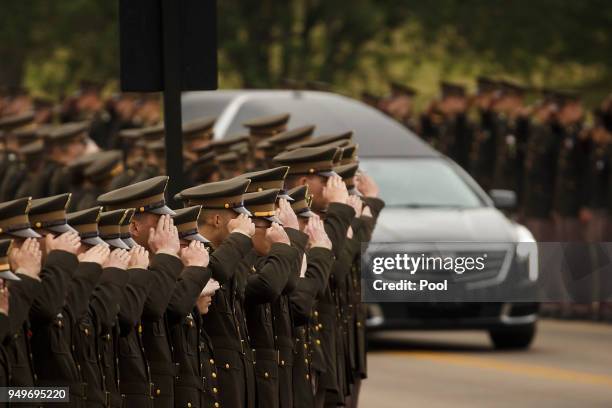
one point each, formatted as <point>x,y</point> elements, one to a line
<point>527,250</point>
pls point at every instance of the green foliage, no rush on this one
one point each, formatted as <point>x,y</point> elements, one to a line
<point>357,44</point>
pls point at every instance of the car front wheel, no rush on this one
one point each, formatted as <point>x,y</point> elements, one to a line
<point>513,338</point>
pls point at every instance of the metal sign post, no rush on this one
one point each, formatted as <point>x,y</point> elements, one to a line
<point>172,95</point>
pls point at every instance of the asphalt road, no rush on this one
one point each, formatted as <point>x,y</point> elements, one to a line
<point>569,365</point>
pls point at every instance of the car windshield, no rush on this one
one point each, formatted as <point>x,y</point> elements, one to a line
<point>420,182</point>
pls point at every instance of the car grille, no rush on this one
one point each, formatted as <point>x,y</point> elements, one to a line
<point>496,265</point>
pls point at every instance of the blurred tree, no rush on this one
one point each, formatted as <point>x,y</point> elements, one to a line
<point>306,39</point>
<point>352,44</point>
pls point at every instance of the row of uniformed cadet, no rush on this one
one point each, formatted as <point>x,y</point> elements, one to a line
<point>247,297</point>
<point>557,162</point>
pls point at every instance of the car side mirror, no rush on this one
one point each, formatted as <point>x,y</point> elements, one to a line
<point>503,199</point>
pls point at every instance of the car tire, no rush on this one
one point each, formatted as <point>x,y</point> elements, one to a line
<point>513,338</point>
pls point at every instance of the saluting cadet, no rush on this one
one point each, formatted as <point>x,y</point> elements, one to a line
<point>6,275</point>
<point>314,166</point>
<point>265,270</point>
<point>314,276</point>
<point>196,135</point>
<point>10,162</point>
<point>264,127</point>
<point>99,176</point>
<point>484,145</point>
<point>132,147</point>
<point>597,181</point>
<point>15,141</point>
<point>230,164</point>
<point>101,314</point>
<point>153,229</point>
<point>224,219</point>
<point>540,171</point>
<point>278,143</point>
<point>44,290</point>
<point>513,135</point>
<point>152,139</point>
<point>208,370</point>
<point>571,163</point>
<point>204,169</point>
<point>63,145</point>
<point>194,386</point>
<point>458,131</point>
<point>367,207</point>
<point>53,330</point>
<point>400,105</point>
<point>32,155</point>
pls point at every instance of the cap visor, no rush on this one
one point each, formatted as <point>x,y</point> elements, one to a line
<point>93,241</point>
<point>129,241</point>
<point>165,210</point>
<point>117,243</point>
<point>25,233</point>
<point>306,214</point>
<point>327,174</point>
<point>286,197</point>
<point>8,275</point>
<point>274,219</point>
<point>196,237</point>
<point>242,210</point>
<point>60,229</point>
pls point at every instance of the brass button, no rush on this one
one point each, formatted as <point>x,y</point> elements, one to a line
<point>217,405</point>
<point>282,362</point>
<point>189,405</point>
<point>316,313</point>
<point>212,361</point>
<point>306,360</point>
<point>215,390</point>
<point>308,376</point>
<point>227,365</point>
<point>318,342</point>
<point>214,375</point>
<point>266,375</point>
<point>157,391</point>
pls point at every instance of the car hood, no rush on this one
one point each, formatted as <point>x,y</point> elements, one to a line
<point>483,224</point>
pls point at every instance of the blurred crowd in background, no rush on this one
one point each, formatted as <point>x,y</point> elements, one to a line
<point>543,144</point>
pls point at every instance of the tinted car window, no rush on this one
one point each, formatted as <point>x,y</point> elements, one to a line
<point>420,182</point>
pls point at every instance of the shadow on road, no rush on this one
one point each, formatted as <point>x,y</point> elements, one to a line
<point>380,344</point>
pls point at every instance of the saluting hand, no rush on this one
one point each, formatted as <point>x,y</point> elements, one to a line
<point>335,190</point>
<point>68,242</point>
<point>139,258</point>
<point>195,255</point>
<point>27,259</point>
<point>4,299</point>
<point>242,224</point>
<point>317,237</point>
<point>119,258</point>
<point>164,238</point>
<point>276,234</point>
<point>286,215</point>
<point>96,254</point>
<point>355,202</point>
<point>366,185</point>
